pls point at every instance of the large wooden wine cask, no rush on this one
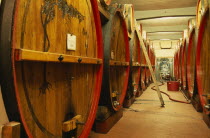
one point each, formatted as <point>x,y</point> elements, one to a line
<point>191,69</point>
<point>151,57</point>
<point>191,52</point>
<point>116,61</point>
<point>134,77</point>
<point>176,65</point>
<point>152,62</point>
<point>143,70</point>
<point>129,18</point>
<point>51,65</point>
<point>184,66</point>
<point>203,63</point>
<point>143,78</point>
<point>180,62</point>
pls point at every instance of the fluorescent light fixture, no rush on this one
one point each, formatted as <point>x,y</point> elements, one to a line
<point>165,39</point>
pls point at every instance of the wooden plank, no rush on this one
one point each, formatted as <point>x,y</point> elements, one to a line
<point>30,55</point>
<point>144,65</point>
<point>71,124</point>
<point>103,113</point>
<point>150,66</point>
<point>11,130</point>
<point>118,63</point>
<point>136,64</point>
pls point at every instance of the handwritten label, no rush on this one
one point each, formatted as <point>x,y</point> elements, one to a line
<point>71,42</point>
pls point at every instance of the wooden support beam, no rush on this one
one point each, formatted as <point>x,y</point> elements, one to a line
<point>71,124</point>
<point>11,130</point>
<point>150,66</point>
<point>30,55</point>
<point>118,63</point>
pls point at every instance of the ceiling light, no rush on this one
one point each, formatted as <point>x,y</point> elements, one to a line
<point>165,39</point>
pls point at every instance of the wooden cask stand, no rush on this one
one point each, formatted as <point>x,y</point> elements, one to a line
<point>116,71</point>
<point>107,120</point>
<point>128,102</point>
<point>11,130</point>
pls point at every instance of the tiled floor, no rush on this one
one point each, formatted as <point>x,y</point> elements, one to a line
<point>146,119</point>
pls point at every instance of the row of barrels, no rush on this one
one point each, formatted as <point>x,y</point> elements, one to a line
<point>192,60</point>
<point>58,63</point>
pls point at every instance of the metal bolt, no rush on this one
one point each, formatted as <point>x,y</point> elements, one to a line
<point>207,106</point>
<point>80,60</point>
<point>60,58</point>
<point>116,103</point>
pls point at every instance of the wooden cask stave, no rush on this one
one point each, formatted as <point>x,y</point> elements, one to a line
<point>116,61</point>
<point>129,18</point>
<point>44,93</point>
<point>152,63</point>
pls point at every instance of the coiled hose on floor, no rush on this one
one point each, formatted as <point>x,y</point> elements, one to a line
<point>153,88</point>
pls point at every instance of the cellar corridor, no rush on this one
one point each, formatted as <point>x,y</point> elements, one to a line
<point>88,68</point>
<point>148,120</point>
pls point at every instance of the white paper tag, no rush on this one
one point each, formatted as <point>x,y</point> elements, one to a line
<point>71,42</point>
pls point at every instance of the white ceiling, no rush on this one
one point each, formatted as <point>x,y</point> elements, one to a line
<point>166,21</point>
<point>164,35</point>
<point>165,28</point>
<point>142,5</point>
<point>165,12</point>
